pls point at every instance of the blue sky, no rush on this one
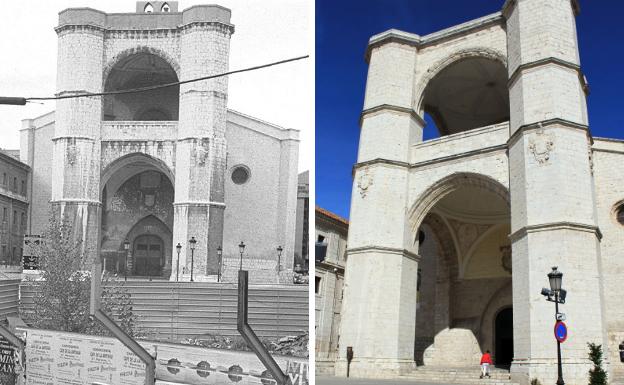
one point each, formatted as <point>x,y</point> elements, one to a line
<point>344,27</point>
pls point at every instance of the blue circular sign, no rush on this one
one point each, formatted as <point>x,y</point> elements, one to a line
<point>561,331</point>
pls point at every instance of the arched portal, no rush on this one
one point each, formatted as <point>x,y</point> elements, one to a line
<point>467,93</point>
<point>137,210</point>
<point>503,336</point>
<point>141,69</point>
<point>464,262</point>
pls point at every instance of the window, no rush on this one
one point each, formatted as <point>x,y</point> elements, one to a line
<point>4,214</point>
<point>240,175</point>
<point>317,284</point>
<point>23,188</point>
<point>165,8</point>
<point>619,214</point>
<point>14,184</point>
<point>14,217</point>
<point>148,8</point>
<point>4,179</point>
<point>3,251</point>
<point>23,220</point>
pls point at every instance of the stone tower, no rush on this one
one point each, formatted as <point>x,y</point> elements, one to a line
<point>512,170</point>
<point>173,137</point>
<point>553,217</point>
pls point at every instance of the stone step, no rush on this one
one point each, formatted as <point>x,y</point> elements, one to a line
<point>458,375</point>
<point>463,375</point>
<point>462,381</point>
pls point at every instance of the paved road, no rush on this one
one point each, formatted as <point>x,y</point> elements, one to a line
<point>325,380</point>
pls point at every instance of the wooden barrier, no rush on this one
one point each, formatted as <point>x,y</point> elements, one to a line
<point>172,311</point>
<point>9,298</point>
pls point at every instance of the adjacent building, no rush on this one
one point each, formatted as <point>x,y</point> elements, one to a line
<point>302,235</point>
<point>331,241</point>
<point>14,199</point>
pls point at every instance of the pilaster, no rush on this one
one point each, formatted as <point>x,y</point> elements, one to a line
<point>201,144</point>
<point>553,221</point>
<point>76,142</point>
<point>381,254</point>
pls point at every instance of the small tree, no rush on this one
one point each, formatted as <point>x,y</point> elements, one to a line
<point>63,295</point>
<point>597,375</point>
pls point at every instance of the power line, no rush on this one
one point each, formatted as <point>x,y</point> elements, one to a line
<point>23,101</point>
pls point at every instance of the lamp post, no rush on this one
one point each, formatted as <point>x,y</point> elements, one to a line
<point>279,262</point>
<point>126,248</point>
<point>279,259</point>
<point>192,241</point>
<point>557,295</point>
<point>219,259</point>
<point>241,248</point>
<point>178,249</point>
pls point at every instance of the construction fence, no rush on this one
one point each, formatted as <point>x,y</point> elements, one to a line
<point>173,311</point>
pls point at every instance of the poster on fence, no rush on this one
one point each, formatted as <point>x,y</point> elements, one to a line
<point>77,359</point>
<point>7,362</point>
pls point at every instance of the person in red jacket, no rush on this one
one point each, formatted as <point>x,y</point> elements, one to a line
<point>486,361</point>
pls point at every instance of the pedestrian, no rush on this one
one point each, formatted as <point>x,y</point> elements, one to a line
<point>486,361</point>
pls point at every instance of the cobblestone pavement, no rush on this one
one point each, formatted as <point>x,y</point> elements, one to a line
<point>327,380</point>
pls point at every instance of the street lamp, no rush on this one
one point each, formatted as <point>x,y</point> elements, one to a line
<point>279,259</point>
<point>557,295</point>
<point>192,241</point>
<point>178,249</point>
<point>126,248</point>
<point>554,278</point>
<point>241,248</point>
<point>219,259</point>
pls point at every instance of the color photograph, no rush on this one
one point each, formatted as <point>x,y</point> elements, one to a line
<point>469,201</point>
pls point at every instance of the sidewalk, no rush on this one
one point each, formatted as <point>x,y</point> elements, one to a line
<point>327,380</point>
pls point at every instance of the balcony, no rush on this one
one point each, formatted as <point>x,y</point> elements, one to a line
<point>121,130</point>
<point>13,194</point>
<point>461,144</point>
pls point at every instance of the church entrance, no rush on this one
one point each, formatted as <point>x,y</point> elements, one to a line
<point>137,217</point>
<point>148,254</point>
<point>503,334</point>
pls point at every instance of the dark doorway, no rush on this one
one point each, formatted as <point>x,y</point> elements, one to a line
<point>148,254</point>
<point>503,333</point>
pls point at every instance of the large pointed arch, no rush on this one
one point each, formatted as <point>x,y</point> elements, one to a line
<point>145,162</point>
<point>438,190</point>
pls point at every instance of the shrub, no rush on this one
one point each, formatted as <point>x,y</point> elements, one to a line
<point>597,375</point>
<point>63,296</point>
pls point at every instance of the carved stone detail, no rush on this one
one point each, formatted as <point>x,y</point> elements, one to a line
<point>201,152</point>
<point>506,258</point>
<point>467,233</point>
<point>541,145</point>
<point>590,153</point>
<point>72,154</point>
<point>365,180</point>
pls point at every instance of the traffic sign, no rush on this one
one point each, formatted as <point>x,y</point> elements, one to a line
<point>561,331</point>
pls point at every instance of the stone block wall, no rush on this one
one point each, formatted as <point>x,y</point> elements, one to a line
<point>608,156</point>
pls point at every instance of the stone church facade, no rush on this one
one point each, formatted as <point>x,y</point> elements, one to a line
<point>450,239</point>
<point>159,167</point>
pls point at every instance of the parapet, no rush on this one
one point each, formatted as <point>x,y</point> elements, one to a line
<point>143,19</point>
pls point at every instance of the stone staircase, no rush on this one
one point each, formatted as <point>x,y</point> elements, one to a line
<point>459,375</point>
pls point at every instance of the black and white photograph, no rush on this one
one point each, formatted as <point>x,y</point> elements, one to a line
<point>154,163</point>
